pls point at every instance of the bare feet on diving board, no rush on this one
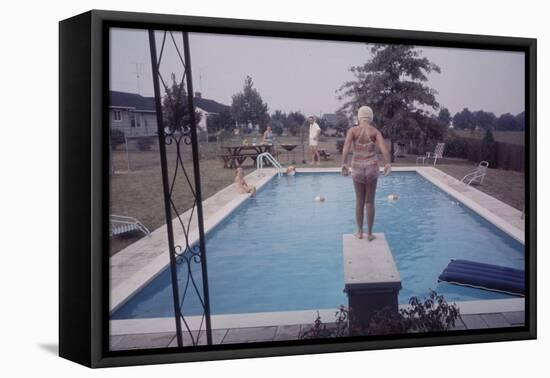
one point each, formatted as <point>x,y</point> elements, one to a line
<point>371,237</point>
<point>359,235</point>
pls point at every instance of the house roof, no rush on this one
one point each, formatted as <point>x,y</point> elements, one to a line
<point>132,100</point>
<point>209,106</point>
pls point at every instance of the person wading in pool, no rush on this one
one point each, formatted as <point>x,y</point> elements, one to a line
<point>364,166</point>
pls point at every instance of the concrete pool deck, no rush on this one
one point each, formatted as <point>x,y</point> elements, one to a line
<point>290,325</point>
<point>135,266</point>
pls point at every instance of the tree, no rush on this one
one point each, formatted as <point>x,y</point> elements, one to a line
<point>489,149</point>
<point>220,121</point>
<point>520,119</point>
<point>464,120</point>
<point>175,109</point>
<point>485,120</point>
<point>392,84</point>
<point>444,117</point>
<point>295,122</point>
<point>248,106</point>
<point>342,122</point>
<point>507,122</point>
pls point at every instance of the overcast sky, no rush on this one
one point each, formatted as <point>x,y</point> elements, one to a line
<point>297,74</point>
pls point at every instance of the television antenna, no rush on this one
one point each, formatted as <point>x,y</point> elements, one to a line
<point>138,71</point>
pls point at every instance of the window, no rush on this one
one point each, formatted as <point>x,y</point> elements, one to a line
<point>117,116</point>
<point>132,120</point>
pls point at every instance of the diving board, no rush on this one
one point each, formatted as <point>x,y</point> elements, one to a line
<point>371,278</point>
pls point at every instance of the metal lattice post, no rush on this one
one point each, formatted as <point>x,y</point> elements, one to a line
<point>165,185</point>
<point>180,134</point>
<point>198,194</point>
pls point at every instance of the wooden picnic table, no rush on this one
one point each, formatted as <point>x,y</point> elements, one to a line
<point>236,155</point>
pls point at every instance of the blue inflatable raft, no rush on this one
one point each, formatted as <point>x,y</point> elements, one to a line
<point>484,276</point>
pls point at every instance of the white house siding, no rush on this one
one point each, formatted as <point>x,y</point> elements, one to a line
<point>145,125</point>
<point>202,125</point>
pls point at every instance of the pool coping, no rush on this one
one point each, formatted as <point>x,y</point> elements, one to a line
<point>283,318</point>
<point>469,196</point>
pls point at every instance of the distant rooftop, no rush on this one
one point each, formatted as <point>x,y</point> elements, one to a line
<point>138,102</point>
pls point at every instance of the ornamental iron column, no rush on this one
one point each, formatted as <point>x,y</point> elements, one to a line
<point>180,136</point>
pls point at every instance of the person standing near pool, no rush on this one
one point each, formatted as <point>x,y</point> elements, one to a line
<point>268,135</point>
<point>314,133</point>
<point>364,166</point>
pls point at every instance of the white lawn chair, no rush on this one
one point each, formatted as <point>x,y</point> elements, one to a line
<point>437,154</point>
<point>478,174</point>
<point>121,224</point>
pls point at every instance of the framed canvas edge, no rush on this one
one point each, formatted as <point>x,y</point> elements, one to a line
<point>99,203</point>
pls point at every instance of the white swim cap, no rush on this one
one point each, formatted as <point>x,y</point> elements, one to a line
<point>365,112</point>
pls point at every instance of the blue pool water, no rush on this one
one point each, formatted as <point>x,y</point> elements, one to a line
<point>282,251</point>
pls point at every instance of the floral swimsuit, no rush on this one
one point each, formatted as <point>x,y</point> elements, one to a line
<point>364,163</point>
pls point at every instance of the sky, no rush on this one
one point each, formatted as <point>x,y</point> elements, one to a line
<point>304,75</point>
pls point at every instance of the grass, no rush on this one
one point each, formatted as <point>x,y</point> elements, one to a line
<point>139,192</point>
<point>512,137</point>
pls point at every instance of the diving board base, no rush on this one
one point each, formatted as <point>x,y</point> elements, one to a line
<point>372,281</point>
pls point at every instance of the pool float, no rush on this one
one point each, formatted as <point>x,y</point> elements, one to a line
<point>320,199</point>
<point>393,197</point>
<point>484,276</point>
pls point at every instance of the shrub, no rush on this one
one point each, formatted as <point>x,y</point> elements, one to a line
<point>145,143</point>
<point>456,146</point>
<point>430,315</point>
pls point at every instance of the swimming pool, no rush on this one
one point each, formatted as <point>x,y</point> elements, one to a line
<point>282,251</point>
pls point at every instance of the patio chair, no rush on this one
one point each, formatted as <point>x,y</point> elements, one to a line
<point>324,154</point>
<point>478,174</point>
<point>437,154</point>
<point>122,224</point>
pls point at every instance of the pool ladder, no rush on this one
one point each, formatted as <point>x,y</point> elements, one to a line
<point>271,159</point>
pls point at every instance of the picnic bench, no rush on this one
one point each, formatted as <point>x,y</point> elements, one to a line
<point>237,155</point>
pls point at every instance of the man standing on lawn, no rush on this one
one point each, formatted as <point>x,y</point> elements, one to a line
<point>314,133</point>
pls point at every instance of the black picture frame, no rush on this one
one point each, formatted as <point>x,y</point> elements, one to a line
<point>83,196</point>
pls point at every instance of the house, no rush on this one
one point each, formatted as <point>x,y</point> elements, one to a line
<point>136,116</point>
<point>207,108</point>
<point>132,114</point>
<point>330,119</point>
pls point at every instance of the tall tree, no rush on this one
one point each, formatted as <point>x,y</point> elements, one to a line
<point>520,119</point>
<point>220,121</point>
<point>464,120</point>
<point>507,122</point>
<point>342,122</point>
<point>485,120</point>
<point>248,106</point>
<point>295,122</point>
<point>175,109</point>
<point>489,149</point>
<point>392,83</point>
<point>444,117</point>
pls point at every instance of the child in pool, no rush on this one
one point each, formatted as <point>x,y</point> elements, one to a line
<point>241,184</point>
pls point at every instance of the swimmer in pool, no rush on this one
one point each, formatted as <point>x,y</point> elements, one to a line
<point>364,166</point>
<point>241,184</point>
